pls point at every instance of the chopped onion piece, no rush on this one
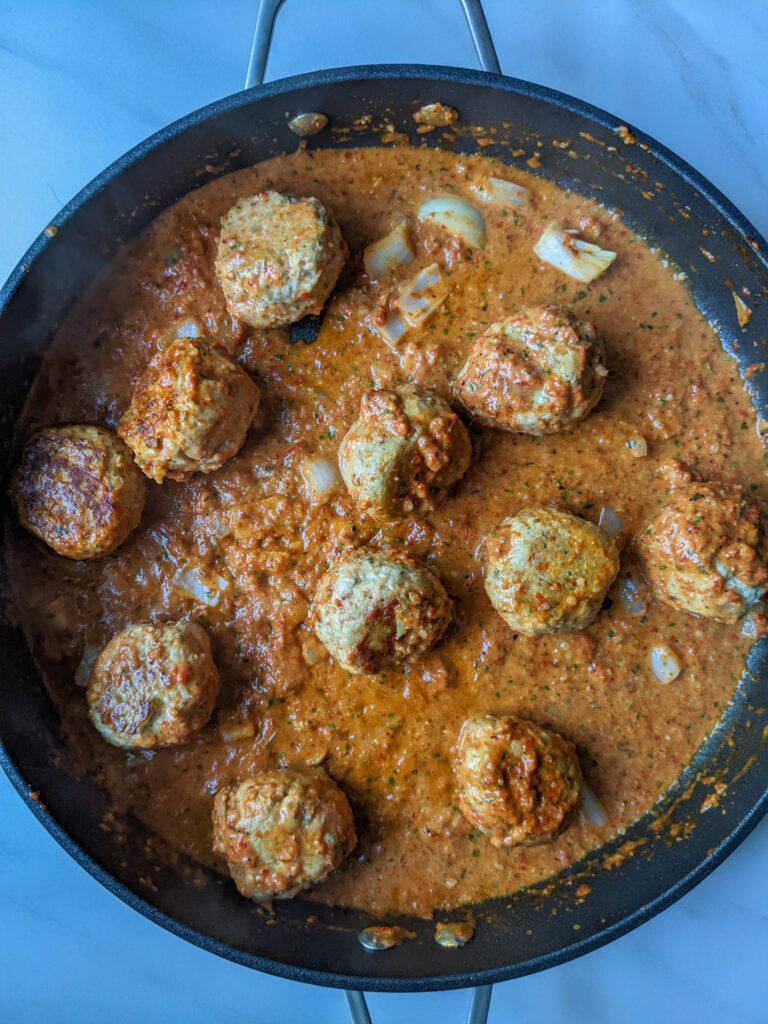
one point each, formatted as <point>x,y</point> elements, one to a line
<point>629,595</point>
<point>83,673</point>
<point>383,937</point>
<point>436,115</point>
<point>307,124</point>
<point>392,329</point>
<point>189,328</point>
<point>426,278</point>
<point>61,614</point>
<point>231,731</point>
<point>594,811</point>
<point>419,299</point>
<point>206,591</point>
<point>611,521</point>
<point>219,527</point>
<point>313,652</point>
<point>321,476</point>
<point>382,256</point>
<point>456,216</point>
<point>638,446</point>
<point>582,260</point>
<point>665,664</point>
<point>380,375</point>
<point>505,193</point>
<point>749,626</point>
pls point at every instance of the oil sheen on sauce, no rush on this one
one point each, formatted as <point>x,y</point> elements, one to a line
<point>242,549</point>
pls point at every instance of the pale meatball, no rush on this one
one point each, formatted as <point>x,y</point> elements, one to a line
<point>78,489</point>
<point>278,258</point>
<point>548,571</point>
<point>153,686</point>
<point>190,411</point>
<point>536,372</point>
<point>373,610</point>
<point>282,831</point>
<point>403,453</point>
<point>519,783</point>
<point>705,552</point>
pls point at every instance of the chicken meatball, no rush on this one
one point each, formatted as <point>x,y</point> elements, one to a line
<point>536,372</point>
<point>705,552</point>
<point>403,453</point>
<point>278,258</point>
<point>548,571</point>
<point>79,490</point>
<point>373,610</point>
<point>153,686</point>
<point>282,831</point>
<point>519,783</point>
<point>190,411</point>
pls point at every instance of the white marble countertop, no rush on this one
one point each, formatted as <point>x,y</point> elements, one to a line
<point>81,82</point>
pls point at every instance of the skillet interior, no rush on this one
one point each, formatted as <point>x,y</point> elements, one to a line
<point>678,845</point>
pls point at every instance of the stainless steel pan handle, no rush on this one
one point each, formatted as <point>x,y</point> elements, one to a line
<point>481,35</point>
<point>478,1008</point>
<point>489,61</point>
<point>265,23</point>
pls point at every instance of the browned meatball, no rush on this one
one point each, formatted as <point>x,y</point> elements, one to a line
<point>548,571</point>
<point>79,490</point>
<point>282,831</point>
<point>190,411</point>
<point>153,686</point>
<point>536,372</point>
<point>705,552</point>
<point>374,609</point>
<point>403,453</point>
<point>278,258</point>
<point>519,783</point>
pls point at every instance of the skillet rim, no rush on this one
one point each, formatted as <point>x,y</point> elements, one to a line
<point>377,72</point>
<point>362,74</point>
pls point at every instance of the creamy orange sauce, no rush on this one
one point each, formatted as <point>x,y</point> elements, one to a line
<point>241,550</point>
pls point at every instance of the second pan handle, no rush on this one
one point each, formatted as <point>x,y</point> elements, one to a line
<point>265,23</point>
<point>477,1014</point>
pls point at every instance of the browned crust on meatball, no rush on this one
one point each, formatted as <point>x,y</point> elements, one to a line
<point>78,489</point>
<point>705,552</point>
<point>384,409</point>
<point>520,783</point>
<point>282,831</point>
<point>535,372</point>
<point>190,411</point>
<point>403,453</point>
<point>153,685</point>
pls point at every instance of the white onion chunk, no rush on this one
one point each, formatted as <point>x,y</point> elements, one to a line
<point>419,299</point>
<point>321,476</point>
<point>594,811</point>
<point>503,193</point>
<point>395,248</point>
<point>204,590</point>
<point>611,521</point>
<point>665,663</point>
<point>456,216</point>
<point>629,595</point>
<point>581,260</point>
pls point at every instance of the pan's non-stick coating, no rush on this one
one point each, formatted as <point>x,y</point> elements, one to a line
<point>640,873</point>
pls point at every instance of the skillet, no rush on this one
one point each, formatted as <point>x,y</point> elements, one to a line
<point>166,167</point>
